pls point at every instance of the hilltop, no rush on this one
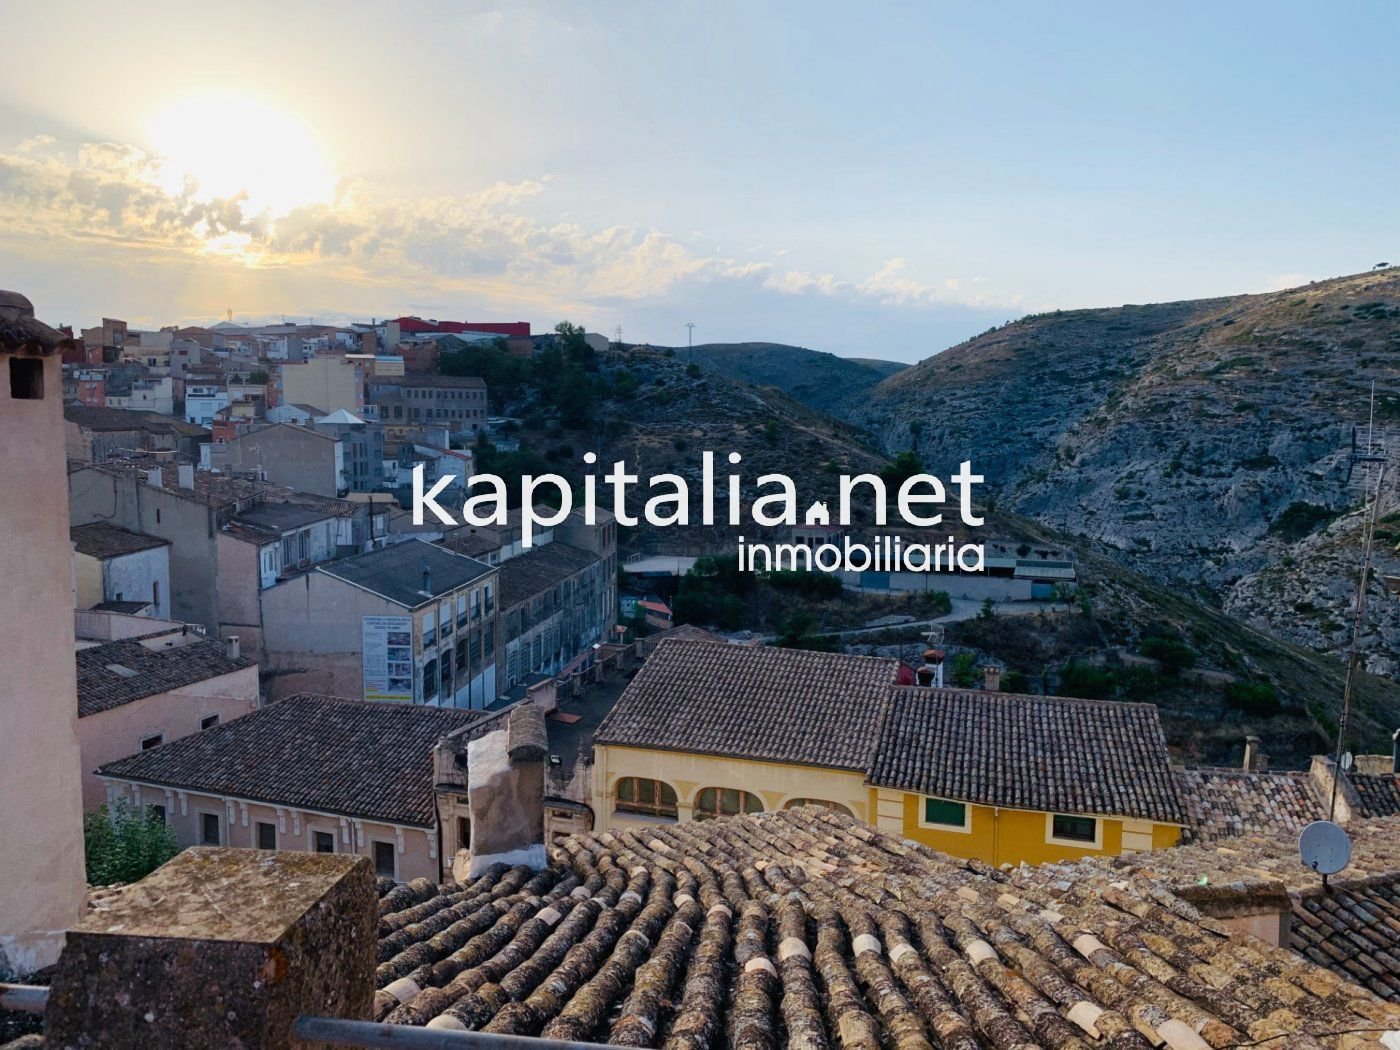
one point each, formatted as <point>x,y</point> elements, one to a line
<point>1203,442</point>
<point>825,382</point>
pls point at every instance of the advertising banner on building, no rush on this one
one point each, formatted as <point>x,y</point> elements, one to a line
<point>386,657</point>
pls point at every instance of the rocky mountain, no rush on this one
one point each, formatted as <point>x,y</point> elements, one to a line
<point>1207,443</point>
<point>831,384</point>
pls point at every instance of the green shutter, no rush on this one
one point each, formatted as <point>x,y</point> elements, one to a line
<point>944,811</point>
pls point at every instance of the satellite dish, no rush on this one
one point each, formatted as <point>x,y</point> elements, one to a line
<point>1347,760</point>
<point>935,634</point>
<point>1325,847</point>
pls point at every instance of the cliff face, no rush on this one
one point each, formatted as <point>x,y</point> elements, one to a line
<point>1207,442</point>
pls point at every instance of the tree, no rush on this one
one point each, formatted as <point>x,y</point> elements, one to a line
<point>903,466</point>
<point>1173,655</point>
<point>122,846</point>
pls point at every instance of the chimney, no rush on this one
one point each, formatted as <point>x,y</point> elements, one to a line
<point>1254,760</point>
<point>505,791</point>
<point>931,673</point>
<point>234,649</point>
<point>186,475</point>
<point>991,677</point>
<point>427,579</point>
<point>154,479</point>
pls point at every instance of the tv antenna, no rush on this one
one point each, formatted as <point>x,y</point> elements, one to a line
<point>690,340</point>
<point>1325,848</point>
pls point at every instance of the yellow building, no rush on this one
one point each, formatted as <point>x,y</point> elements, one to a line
<point>708,729</point>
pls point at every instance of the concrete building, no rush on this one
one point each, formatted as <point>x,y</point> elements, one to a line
<point>150,394</point>
<point>204,399</point>
<point>411,623</point>
<point>302,458</point>
<point>312,774</point>
<point>139,693</point>
<point>363,445</point>
<point>554,610</point>
<point>99,434</point>
<point>330,383</point>
<point>456,402</point>
<point>114,566</point>
<point>42,883</point>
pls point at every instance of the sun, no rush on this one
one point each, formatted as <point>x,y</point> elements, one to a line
<point>229,144</point>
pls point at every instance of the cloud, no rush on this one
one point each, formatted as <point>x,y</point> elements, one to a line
<point>1277,282</point>
<point>473,243</point>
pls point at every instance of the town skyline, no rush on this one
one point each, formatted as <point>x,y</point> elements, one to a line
<point>907,183</point>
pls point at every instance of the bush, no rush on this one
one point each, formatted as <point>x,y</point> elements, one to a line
<point>122,846</point>
<point>1173,655</point>
<point>963,671</point>
<point>1014,682</point>
<point>1087,681</point>
<point>1259,699</point>
<point>1299,519</point>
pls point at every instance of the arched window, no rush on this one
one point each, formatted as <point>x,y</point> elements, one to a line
<point>835,807</point>
<point>725,802</point>
<point>655,798</point>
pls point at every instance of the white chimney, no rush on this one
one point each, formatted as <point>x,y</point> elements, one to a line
<point>234,649</point>
<point>186,475</point>
<point>991,677</point>
<point>1253,754</point>
<point>154,479</point>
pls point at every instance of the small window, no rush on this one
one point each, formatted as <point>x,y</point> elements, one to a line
<point>384,859</point>
<point>267,835</point>
<point>209,829</point>
<point>208,721</point>
<point>26,379</point>
<point>156,813</point>
<point>1074,829</point>
<point>726,802</point>
<point>324,842</point>
<point>942,812</point>
<point>152,741</point>
<point>654,798</point>
<point>464,833</point>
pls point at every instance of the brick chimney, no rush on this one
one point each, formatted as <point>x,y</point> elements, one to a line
<point>991,677</point>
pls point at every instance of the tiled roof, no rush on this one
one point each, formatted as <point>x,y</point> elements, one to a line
<point>155,671</point>
<point>396,572</point>
<point>1028,752</point>
<point>92,417</point>
<point>102,541</point>
<point>811,930</point>
<point>1222,803</point>
<point>1353,929</point>
<point>539,569</point>
<point>1379,793</point>
<point>781,705</point>
<point>341,756</point>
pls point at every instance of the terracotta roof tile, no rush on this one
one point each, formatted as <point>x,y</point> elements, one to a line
<point>1222,803</point>
<point>808,929</point>
<point>145,671</point>
<point>1379,793</point>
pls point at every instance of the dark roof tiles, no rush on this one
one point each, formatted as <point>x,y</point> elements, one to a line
<point>539,569</point>
<point>340,756</point>
<point>781,705</point>
<point>396,572</point>
<point>1378,793</point>
<point>1223,803</point>
<point>152,671</point>
<point>100,540</point>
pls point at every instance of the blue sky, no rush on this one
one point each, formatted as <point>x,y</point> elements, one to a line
<point>874,180</point>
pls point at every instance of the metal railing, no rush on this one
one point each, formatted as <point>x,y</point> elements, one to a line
<point>24,998</point>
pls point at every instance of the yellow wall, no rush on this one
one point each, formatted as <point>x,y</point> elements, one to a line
<point>775,783</point>
<point>997,836</point>
<point>1014,836</point>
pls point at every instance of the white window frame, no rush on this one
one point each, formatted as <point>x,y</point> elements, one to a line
<point>1053,840</point>
<point>964,829</point>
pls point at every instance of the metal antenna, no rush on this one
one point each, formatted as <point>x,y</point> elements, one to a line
<point>690,340</point>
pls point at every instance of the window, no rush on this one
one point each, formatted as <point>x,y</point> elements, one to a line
<point>26,379</point>
<point>323,841</point>
<point>208,721</point>
<point>725,802</point>
<point>462,654</point>
<point>490,599</point>
<point>652,797</point>
<point>155,594</point>
<point>209,829</point>
<point>835,807</point>
<point>464,833</point>
<point>267,835</point>
<point>156,813</point>
<point>944,813</point>
<point>430,680</point>
<point>1066,828</point>
<point>384,859</point>
<point>152,741</point>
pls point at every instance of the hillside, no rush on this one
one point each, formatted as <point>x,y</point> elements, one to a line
<point>831,384</point>
<point>1204,442</point>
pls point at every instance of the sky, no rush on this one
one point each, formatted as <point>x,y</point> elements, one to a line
<point>875,180</point>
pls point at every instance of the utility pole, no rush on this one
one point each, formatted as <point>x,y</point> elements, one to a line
<point>618,332</point>
<point>690,341</point>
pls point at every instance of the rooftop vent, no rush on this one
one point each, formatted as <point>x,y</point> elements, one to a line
<point>122,670</point>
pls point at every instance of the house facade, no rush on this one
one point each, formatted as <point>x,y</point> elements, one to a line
<point>300,458</point>
<point>707,729</point>
<point>112,564</point>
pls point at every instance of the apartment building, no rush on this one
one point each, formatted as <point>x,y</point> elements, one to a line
<point>306,459</point>
<point>119,569</point>
<point>456,402</point>
<point>331,383</point>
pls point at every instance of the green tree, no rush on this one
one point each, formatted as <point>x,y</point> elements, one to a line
<point>1172,654</point>
<point>903,466</point>
<point>963,671</point>
<point>123,846</point>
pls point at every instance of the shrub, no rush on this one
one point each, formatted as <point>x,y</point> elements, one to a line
<point>122,846</point>
<point>963,671</point>
<point>1087,681</point>
<point>1299,519</point>
<point>1014,682</point>
<point>1173,655</point>
<point>1259,699</point>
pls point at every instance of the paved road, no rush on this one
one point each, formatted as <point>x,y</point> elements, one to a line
<point>963,609</point>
